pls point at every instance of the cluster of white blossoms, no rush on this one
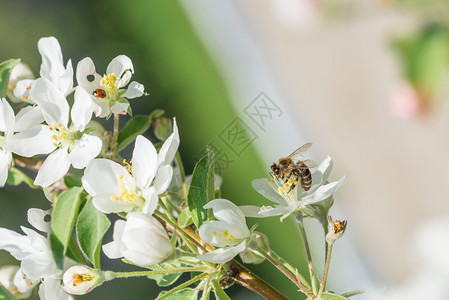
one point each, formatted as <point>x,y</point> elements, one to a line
<point>137,191</point>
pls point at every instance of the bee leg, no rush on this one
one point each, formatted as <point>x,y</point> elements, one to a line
<point>288,177</point>
<point>291,188</point>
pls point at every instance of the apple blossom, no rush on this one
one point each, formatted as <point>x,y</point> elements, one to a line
<point>26,117</point>
<point>115,188</point>
<point>68,144</point>
<point>296,200</point>
<point>37,263</point>
<point>52,69</point>
<point>229,232</point>
<point>80,280</point>
<point>141,239</point>
<point>108,91</point>
<point>7,274</point>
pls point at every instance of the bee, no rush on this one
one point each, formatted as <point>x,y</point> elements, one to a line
<point>294,173</point>
<point>99,93</point>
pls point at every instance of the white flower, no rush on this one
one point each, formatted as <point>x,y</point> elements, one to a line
<point>52,69</point>
<point>7,274</point>
<point>109,91</point>
<point>141,240</point>
<point>80,280</point>
<point>296,200</point>
<point>229,231</point>
<point>20,72</point>
<point>27,117</point>
<point>115,188</point>
<point>37,263</point>
<point>73,147</point>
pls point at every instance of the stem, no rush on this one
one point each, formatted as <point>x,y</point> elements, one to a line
<point>183,285</point>
<point>183,174</point>
<point>326,267</point>
<point>302,232</point>
<point>189,240</point>
<point>167,211</point>
<point>112,275</point>
<point>251,281</point>
<point>282,261</point>
<point>281,268</point>
<point>114,135</point>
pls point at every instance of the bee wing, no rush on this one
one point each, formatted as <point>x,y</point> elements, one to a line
<point>310,163</point>
<point>300,151</point>
<point>307,164</point>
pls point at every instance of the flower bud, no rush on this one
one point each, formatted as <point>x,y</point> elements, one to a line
<point>80,280</point>
<point>336,230</point>
<point>141,239</point>
<point>7,274</point>
<point>163,127</point>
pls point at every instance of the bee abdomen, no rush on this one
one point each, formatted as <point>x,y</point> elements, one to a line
<point>305,177</point>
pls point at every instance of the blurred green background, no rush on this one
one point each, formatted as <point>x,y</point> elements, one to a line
<point>170,60</point>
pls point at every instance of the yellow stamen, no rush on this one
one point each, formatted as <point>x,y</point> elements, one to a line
<point>80,278</point>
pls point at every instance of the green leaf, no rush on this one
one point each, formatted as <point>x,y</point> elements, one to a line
<point>165,280</point>
<point>5,70</point>
<point>201,188</point>
<point>219,292</point>
<point>184,294</point>
<point>16,177</point>
<point>90,229</point>
<point>74,253</point>
<point>135,126</point>
<point>71,181</point>
<point>63,218</point>
<point>185,219</point>
<point>5,294</point>
<point>332,296</point>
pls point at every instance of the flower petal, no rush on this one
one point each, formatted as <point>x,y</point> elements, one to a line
<point>251,211</point>
<point>54,168</point>
<point>120,107</point>
<point>36,217</point>
<point>223,255</point>
<point>85,150</point>
<point>324,191</point>
<point>134,90</point>
<point>105,204</point>
<point>86,76</point>
<point>51,53</point>
<point>82,109</point>
<point>19,246</point>
<point>5,161</point>
<point>40,136</point>
<point>228,213</point>
<point>118,66</point>
<point>102,177</point>
<point>269,211</point>
<point>7,119</point>
<point>27,117</point>
<point>65,80</point>
<point>211,231</point>
<point>113,249</point>
<point>52,102</point>
<point>51,289</point>
<point>151,200</point>
<point>267,189</point>
<point>321,173</point>
<point>169,148</point>
<point>144,162</point>
<point>163,178</point>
